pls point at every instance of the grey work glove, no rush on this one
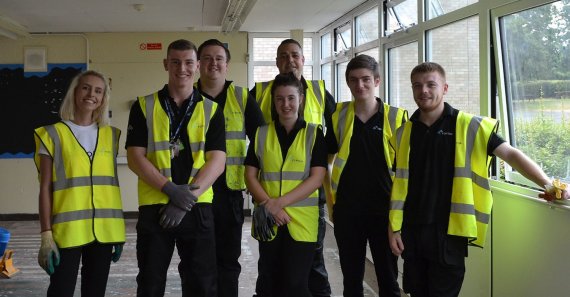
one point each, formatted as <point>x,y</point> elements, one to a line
<point>117,251</point>
<point>48,256</point>
<point>263,223</point>
<point>180,195</point>
<point>171,215</point>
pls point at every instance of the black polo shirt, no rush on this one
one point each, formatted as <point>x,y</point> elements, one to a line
<point>330,103</point>
<point>181,166</point>
<point>365,184</point>
<point>318,154</point>
<point>432,161</point>
<point>253,119</point>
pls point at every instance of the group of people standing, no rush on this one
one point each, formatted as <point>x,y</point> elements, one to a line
<point>388,180</point>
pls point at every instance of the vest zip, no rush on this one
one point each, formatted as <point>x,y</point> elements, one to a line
<point>92,190</point>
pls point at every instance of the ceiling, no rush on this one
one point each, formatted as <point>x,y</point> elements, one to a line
<point>65,16</point>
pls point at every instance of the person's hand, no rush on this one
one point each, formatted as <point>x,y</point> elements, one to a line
<point>396,244</point>
<point>282,218</point>
<point>273,206</point>
<point>117,251</point>
<point>171,215</point>
<point>180,195</point>
<point>555,190</point>
<point>48,256</point>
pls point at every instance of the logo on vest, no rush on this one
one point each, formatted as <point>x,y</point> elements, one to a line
<point>444,133</point>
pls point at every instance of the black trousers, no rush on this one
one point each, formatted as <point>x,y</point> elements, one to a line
<point>434,262</point>
<point>283,266</point>
<point>228,218</point>
<point>95,263</point>
<point>194,239</point>
<point>352,232</point>
<point>318,278</point>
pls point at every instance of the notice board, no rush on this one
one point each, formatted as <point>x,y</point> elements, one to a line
<point>29,100</point>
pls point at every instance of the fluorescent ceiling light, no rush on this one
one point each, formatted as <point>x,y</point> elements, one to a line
<point>11,29</point>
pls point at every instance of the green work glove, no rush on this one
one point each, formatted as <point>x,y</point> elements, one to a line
<point>180,195</point>
<point>48,256</point>
<point>117,251</point>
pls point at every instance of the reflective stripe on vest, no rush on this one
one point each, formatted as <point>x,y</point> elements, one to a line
<point>314,101</point>
<point>343,124</point>
<point>87,202</point>
<point>236,148</point>
<point>469,217</point>
<point>158,151</point>
<point>278,177</point>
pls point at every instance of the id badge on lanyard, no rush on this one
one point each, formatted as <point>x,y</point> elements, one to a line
<point>175,144</point>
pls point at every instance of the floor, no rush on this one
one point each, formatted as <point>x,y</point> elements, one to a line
<point>33,281</point>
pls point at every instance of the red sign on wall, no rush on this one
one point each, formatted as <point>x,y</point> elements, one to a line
<point>150,46</point>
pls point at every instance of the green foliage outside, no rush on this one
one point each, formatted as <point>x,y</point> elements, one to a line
<point>544,138</point>
<point>537,43</point>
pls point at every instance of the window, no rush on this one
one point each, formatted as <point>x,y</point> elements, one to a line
<point>367,26</point>
<point>342,90</point>
<point>262,64</point>
<point>461,61</point>
<point>441,7</point>
<point>536,58</point>
<point>401,15</point>
<point>343,39</point>
<point>326,46</point>
<point>326,74</point>
<point>401,61</point>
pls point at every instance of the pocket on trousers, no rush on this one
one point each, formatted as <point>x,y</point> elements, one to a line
<point>454,250</point>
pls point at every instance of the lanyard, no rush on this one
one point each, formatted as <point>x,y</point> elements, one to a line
<point>175,133</point>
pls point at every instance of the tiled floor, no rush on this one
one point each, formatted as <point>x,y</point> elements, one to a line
<point>33,281</point>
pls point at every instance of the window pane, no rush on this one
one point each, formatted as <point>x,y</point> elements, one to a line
<point>326,74</point>
<point>401,61</point>
<point>343,39</point>
<point>440,7</point>
<point>461,61</point>
<point>401,15</point>
<point>308,72</point>
<point>342,90</point>
<point>374,53</point>
<point>367,26</point>
<point>536,61</point>
<point>264,73</point>
<point>326,44</point>
<point>307,50</point>
<point>265,48</point>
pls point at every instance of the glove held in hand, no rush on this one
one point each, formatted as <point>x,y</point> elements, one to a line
<point>48,256</point>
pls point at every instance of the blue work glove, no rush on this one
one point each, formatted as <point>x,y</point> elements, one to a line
<point>180,195</point>
<point>48,256</point>
<point>117,251</point>
<point>171,215</point>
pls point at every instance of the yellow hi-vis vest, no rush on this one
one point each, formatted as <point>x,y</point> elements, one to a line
<point>279,177</point>
<point>86,204</point>
<point>343,124</point>
<point>471,198</point>
<point>234,111</point>
<point>236,147</point>
<point>158,150</point>
<point>314,101</point>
